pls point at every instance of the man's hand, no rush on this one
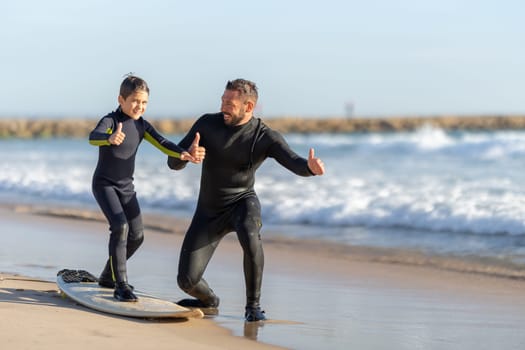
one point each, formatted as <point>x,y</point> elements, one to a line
<point>118,136</point>
<point>196,151</point>
<point>315,165</point>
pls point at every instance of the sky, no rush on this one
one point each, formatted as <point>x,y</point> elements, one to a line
<point>328,58</point>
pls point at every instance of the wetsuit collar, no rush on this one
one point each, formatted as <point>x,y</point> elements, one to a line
<point>121,116</point>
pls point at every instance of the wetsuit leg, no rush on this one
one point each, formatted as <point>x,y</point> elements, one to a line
<point>199,244</point>
<point>135,237</point>
<point>136,228</point>
<point>247,224</point>
<point>110,203</point>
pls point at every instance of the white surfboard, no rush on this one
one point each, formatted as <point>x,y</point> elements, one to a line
<point>90,294</point>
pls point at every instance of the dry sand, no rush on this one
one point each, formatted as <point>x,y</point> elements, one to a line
<point>35,316</point>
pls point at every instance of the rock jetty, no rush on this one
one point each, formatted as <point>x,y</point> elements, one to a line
<point>79,127</point>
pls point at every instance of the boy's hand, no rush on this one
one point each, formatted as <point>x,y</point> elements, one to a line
<point>186,156</point>
<point>118,136</point>
<point>316,165</point>
<point>198,152</point>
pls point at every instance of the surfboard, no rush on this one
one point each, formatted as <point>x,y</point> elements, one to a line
<point>83,288</point>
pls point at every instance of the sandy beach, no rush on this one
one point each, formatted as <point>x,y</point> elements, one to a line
<point>36,316</point>
<point>315,297</point>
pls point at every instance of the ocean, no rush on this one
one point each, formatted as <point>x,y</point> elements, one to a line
<point>427,195</point>
<point>449,193</point>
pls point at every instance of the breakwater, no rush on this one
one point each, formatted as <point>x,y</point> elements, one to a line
<point>80,127</point>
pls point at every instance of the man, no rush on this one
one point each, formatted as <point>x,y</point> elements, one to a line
<point>235,144</point>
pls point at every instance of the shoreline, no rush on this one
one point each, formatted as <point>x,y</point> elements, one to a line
<point>171,225</point>
<point>80,127</point>
<point>483,266</point>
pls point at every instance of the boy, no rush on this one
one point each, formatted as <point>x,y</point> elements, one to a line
<point>118,136</point>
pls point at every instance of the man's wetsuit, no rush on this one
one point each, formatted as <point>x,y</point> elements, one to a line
<point>113,185</point>
<point>227,200</point>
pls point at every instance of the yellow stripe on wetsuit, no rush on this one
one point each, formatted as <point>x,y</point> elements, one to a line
<point>99,142</point>
<point>163,149</point>
<point>105,142</point>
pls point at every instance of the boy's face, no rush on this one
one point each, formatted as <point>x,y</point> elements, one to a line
<point>135,105</point>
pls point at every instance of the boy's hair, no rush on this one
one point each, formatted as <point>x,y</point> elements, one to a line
<point>245,87</point>
<point>132,84</point>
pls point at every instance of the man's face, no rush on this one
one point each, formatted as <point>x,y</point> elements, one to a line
<point>135,105</point>
<point>234,108</point>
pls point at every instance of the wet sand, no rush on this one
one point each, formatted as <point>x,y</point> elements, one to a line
<point>314,298</point>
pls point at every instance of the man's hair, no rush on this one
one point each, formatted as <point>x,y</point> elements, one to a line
<point>245,87</point>
<point>132,84</point>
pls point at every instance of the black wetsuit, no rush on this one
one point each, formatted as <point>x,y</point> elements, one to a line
<point>113,184</point>
<point>227,200</point>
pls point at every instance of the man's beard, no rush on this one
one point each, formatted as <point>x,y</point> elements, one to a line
<point>233,120</point>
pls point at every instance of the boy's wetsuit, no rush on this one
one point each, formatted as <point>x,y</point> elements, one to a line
<point>227,200</point>
<point>113,185</point>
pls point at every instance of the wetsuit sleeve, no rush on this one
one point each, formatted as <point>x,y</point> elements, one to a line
<point>164,145</point>
<point>100,135</point>
<point>283,154</point>
<point>176,163</point>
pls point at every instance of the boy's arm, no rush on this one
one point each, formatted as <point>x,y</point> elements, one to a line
<point>164,145</point>
<point>100,135</point>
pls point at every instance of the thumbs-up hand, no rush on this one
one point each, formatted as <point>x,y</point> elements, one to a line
<point>186,156</point>
<point>118,136</point>
<point>315,165</point>
<point>196,151</point>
